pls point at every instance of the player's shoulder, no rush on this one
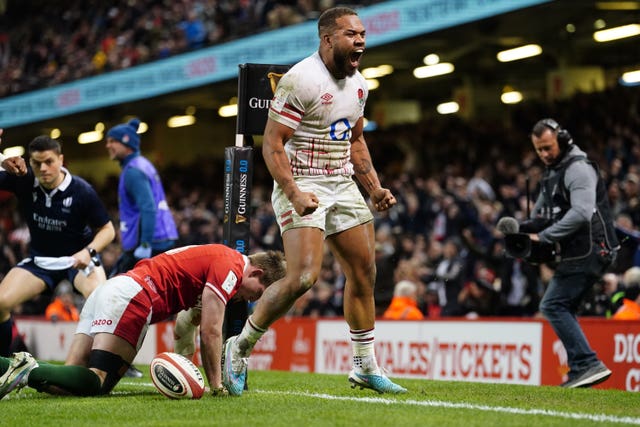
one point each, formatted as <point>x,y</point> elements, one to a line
<point>217,249</point>
<point>310,62</point>
<point>210,250</point>
<point>304,72</point>
<point>208,257</point>
<point>80,184</point>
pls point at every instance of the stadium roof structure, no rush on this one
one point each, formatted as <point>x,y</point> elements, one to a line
<point>563,28</point>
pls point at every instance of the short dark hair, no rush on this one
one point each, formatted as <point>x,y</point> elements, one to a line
<point>327,21</point>
<point>45,143</point>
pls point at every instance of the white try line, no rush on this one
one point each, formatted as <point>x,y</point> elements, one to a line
<point>454,405</point>
<point>443,404</point>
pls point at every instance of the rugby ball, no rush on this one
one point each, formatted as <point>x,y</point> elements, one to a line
<point>176,377</point>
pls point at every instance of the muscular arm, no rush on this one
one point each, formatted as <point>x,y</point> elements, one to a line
<point>361,159</point>
<point>275,136</point>
<point>364,171</point>
<point>211,337</point>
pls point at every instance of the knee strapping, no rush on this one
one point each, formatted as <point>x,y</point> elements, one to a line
<point>112,364</point>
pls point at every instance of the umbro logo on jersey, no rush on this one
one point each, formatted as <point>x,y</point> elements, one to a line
<point>327,98</point>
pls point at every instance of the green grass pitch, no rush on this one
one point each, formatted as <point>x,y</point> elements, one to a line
<point>297,399</point>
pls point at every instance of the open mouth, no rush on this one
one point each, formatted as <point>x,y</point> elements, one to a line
<point>356,56</point>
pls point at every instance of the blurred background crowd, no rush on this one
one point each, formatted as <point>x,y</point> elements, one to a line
<point>54,46</point>
<point>453,178</point>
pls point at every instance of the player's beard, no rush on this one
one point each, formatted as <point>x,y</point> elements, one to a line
<point>342,61</point>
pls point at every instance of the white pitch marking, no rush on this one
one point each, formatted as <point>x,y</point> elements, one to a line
<point>454,405</point>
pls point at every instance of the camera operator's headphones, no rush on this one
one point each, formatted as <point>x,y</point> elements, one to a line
<point>562,135</point>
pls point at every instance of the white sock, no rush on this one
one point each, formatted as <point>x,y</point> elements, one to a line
<point>364,358</point>
<point>248,338</point>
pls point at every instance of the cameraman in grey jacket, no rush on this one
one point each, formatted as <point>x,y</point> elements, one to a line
<point>573,199</point>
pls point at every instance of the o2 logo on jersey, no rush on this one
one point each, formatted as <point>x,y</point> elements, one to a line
<point>340,130</point>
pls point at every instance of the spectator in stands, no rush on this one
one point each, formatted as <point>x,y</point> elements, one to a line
<point>157,288</point>
<point>430,304</point>
<point>320,303</point>
<point>194,30</point>
<point>448,278</point>
<point>68,227</point>
<point>616,197</point>
<point>284,13</point>
<point>630,308</point>
<point>63,307</point>
<point>631,189</point>
<point>404,304</point>
<point>478,296</point>
<point>479,186</point>
<point>608,295</point>
<point>629,236</point>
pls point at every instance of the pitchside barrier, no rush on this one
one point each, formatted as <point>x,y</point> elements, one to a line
<point>492,350</point>
<point>256,85</point>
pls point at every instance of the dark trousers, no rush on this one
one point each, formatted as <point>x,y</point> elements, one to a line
<point>571,281</point>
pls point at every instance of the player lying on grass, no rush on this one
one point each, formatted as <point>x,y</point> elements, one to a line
<point>116,317</point>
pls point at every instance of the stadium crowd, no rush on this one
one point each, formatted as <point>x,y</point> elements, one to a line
<point>51,47</point>
<point>453,178</point>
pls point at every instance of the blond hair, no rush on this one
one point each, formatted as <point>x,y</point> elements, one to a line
<point>272,263</point>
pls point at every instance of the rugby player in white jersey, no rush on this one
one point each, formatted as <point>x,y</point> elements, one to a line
<point>313,145</point>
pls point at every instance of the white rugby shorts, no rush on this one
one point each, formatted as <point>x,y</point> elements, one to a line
<point>341,205</point>
<point>120,307</point>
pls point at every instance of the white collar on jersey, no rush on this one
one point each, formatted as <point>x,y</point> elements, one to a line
<point>246,264</point>
<point>63,185</point>
<point>49,194</point>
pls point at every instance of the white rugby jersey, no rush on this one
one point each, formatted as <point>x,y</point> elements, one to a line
<point>322,111</point>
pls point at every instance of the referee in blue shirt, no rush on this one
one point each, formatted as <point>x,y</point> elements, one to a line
<point>68,226</point>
